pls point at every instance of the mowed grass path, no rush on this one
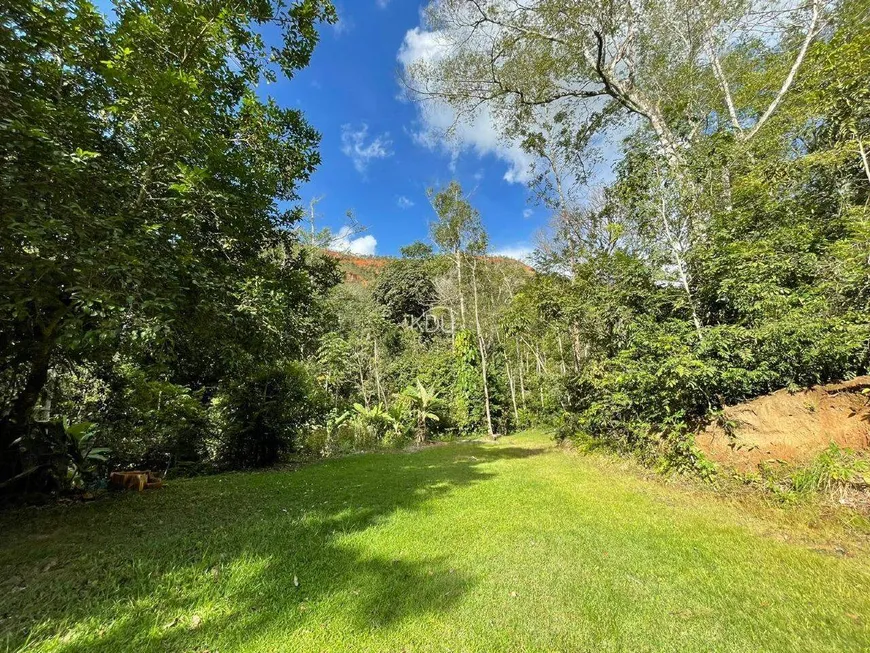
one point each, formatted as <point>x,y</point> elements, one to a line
<point>465,547</point>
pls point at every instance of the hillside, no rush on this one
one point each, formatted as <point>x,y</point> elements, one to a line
<point>360,269</point>
<point>365,269</point>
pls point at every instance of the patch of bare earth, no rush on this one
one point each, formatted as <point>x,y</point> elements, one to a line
<point>790,427</point>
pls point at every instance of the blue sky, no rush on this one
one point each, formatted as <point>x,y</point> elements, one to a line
<point>379,156</point>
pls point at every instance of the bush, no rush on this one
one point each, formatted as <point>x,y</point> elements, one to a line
<point>467,393</point>
<point>833,468</point>
<point>664,381</point>
<point>57,456</point>
<point>266,414</point>
<point>155,424</point>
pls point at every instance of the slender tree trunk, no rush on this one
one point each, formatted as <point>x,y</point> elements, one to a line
<point>864,160</point>
<point>458,259</point>
<point>510,376</point>
<point>575,347</point>
<point>541,369</point>
<point>676,247</point>
<point>540,366</point>
<point>380,390</point>
<point>48,398</point>
<point>726,187</point>
<point>522,364</point>
<point>684,279</point>
<point>482,347</point>
<point>362,384</point>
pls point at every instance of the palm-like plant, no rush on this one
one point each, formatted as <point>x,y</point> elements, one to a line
<point>81,452</point>
<point>369,424</point>
<point>423,404</point>
<point>332,427</point>
<point>397,418</point>
<point>374,414</point>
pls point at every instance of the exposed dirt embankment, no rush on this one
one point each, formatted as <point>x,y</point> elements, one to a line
<point>791,427</point>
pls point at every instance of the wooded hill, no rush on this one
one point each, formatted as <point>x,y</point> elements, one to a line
<point>366,269</point>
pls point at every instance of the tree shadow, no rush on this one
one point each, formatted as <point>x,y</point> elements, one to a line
<point>230,560</point>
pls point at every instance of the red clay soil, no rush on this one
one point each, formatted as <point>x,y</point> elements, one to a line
<point>362,261</point>
<point>364,269</point>
<point>791,427</point>
<point>381,261</point>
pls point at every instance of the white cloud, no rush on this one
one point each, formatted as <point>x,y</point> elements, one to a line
<point>362,246</point>
<point>480,133</point>
<point>483,132</point>
<point>344,24</point>
<point>383,4</point>
<point>403,202</point>
<point>355,146</point>
<point>519,251</point>
<point>528,213</point>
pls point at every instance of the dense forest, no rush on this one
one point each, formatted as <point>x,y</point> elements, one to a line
<point>164,305</point>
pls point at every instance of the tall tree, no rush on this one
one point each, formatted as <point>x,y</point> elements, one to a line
<point>460,233</point>
<point>142,172</point>
<point>456,229</point>
<point>556,73</point>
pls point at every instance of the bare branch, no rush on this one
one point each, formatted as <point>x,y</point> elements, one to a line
<point>726,89</point>
<point>812,30</point>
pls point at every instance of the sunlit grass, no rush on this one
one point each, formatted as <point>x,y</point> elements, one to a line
<point>464,547</point>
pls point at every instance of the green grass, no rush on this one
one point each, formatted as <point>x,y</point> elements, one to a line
<point>461,547</point>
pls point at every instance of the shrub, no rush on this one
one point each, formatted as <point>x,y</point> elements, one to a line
<point>467,391</point>
<point>266,414</point>
<point>57,456</point>
<point>155,424</point>
<point>423,406</point>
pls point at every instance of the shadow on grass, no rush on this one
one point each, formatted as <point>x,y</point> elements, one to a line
<point>235,559</point>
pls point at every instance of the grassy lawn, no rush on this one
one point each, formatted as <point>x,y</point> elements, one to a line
<point>465,547</point>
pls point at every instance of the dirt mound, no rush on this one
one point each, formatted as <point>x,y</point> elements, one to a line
<point>792,427</point>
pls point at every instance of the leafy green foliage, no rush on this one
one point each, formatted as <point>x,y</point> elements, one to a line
<point>155,424</point>
<point>834,468</point>
<point>58,456</point>
<point>730,275</point>
<point>467,390</point>
<point>424,406</point>
<point>405,290</point>
<point>143,197</point>
<point>266,415</point>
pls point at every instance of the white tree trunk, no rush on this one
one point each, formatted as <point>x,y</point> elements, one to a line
<point>864,159</point>
<point>482,348</point>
